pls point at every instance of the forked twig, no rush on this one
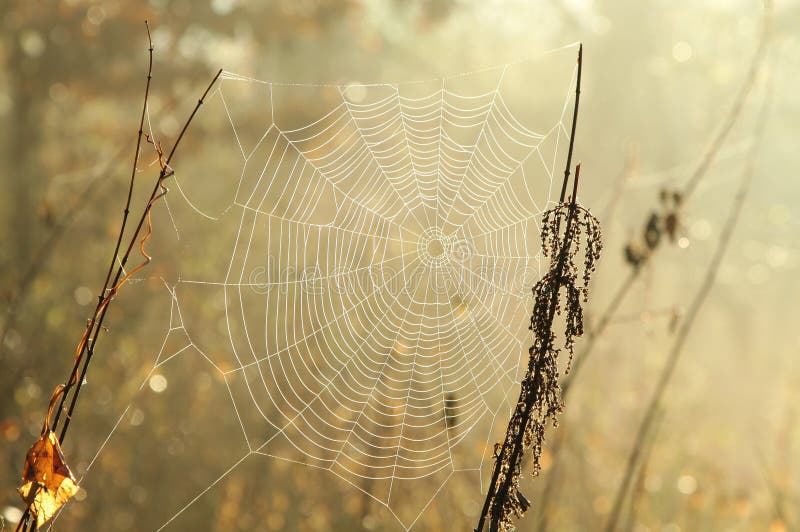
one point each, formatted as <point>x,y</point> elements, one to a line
<point>686,326</point>
<point>117,274</point>
<point>701,170</point>
<point>103,299</point>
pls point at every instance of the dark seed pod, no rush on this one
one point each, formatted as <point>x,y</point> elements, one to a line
<point>671,226</point>
<point>523,501</point>
<point>634,255</point>
<point>652,231</point>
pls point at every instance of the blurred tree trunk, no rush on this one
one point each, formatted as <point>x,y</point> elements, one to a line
<point>25,135</point>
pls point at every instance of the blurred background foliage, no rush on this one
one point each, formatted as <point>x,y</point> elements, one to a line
<point>659,79</point>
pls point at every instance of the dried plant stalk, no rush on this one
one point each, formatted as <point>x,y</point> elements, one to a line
<point>676,351</point>
<point>117,276</point>
<point>540,395</point>
<point>639,256</point>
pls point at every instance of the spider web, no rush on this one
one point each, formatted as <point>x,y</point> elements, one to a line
<point>369,260</point>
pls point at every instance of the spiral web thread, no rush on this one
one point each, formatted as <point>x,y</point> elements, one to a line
<point>376,288</point>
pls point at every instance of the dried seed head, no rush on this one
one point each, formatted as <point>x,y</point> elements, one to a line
<point>634,254</point>
<point>671,226</point>
<point>652,231</point>
<point>568,231</point>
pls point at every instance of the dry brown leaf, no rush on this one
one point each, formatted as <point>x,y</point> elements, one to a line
<point>47,482</point>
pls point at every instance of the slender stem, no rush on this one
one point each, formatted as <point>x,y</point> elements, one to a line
<point>125,213</point>
<point>641,472</point>
<point>118,278</point>
<point>102,298</point>
<point>738,104</point>
<point>537,378</point>
<point>496,496</point>
<point>574,199</point>
<point>700,171</point>
<point>94,328</point>
<point>686,327</point>
<point>191,117</point>
<point>568,166</point>
<point>136,155</point>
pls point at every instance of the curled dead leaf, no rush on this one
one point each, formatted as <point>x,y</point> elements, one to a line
<point>47,482</point>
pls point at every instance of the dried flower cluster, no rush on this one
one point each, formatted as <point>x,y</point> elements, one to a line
<point>579,222</point>
<point>540,395</point>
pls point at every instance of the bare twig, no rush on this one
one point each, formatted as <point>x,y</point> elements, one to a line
<point>121,276</point>
<point>117,274</point>
<point>700,171</point>
<point>641,474</point>
<point>102,298</point>
<point>686,326</point>
<point>63,390</point>
<point>738,104</point>
<point>622,291</point>
<point>568,166</point>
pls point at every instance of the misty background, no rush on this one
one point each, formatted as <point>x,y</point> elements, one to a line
<point>659,81</point>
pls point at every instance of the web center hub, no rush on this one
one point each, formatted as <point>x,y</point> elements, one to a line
<point>434,247</point>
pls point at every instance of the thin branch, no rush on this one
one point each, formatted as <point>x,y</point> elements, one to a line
<point>158,191</point>
<point>111,286</point>
<point>568,166</point>
<point>135,164</point>
<point>101,298</point>
<point>738,104</point>
<point>641,472</point>
<point>700,171</point>
<point>686,327</point>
